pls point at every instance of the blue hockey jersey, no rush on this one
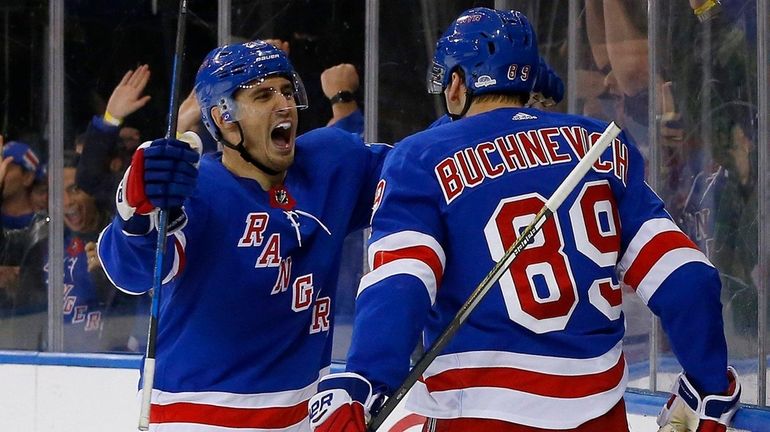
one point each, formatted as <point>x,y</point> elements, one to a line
<point>245,313</point>
<point>83,308</point>
<point>544,347</point>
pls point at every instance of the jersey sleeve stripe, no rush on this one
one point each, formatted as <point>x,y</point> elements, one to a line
<point>651,253</point>
<point>403,240</point>
<point>180,258</point>
<point>667,264</point>
<point>422,253</point>
<point>403,266</point>
<point>410,253</point>
<point>647,231</point>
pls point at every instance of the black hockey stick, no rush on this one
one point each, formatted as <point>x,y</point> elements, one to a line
<point>148,373</point>
<point>553,203</point>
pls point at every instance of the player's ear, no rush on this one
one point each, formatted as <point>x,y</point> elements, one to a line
<point>455,89</point>
<point>454,94</point>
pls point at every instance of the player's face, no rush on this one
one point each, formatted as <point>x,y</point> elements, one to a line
<point>268,118</point>
<point>80,214</point>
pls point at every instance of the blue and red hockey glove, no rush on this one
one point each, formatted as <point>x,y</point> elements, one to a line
<point>163,173</point>
<point>688,411</point>
<point>342,403</point>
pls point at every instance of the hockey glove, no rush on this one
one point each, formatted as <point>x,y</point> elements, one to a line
<point>342,403</point>
<point>163,173</point>
<point>688,411</point>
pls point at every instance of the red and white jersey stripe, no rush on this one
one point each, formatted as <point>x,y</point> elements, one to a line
<point>409,253</point>
<point>284,411</point>
<point>656,251</point>
<point>533,390</point>
<point>180,256</point>
<point>180,261</point>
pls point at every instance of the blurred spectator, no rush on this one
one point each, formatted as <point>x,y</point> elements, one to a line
<point>107,151</point>
<point>19,170</point>
<point>339,84</point>
<point>722,204</point>
<point>23,311</point>
<point>107,148</point>
<point>20,176</point>
<point>616,87</point>
<point>617,37</point>
<point>86,296</point>
<point>39,193</point>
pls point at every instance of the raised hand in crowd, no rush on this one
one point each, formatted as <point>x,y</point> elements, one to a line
<point>339,83</point>
<point>93,258</point>
<point>342,77</point>
<point>106,146</point>
<point>128,95</point>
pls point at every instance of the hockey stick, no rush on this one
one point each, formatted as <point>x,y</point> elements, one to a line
<point>526,236</point>
<point>148,372</point>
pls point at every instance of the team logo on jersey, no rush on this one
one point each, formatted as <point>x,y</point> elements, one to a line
<point>76,247</point>
<point>523,116</point>
<point>281,198</point>
<point>485,81</point>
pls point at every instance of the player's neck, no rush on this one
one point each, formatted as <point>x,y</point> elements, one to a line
<point>482,107</point>
<point>238,166</point>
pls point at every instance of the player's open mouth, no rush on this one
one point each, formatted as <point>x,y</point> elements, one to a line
<point>281,135</point>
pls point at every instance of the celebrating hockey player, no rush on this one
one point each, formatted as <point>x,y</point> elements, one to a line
<point>543,351</point>
<point>255,234</point>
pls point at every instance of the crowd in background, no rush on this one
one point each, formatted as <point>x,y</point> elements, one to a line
<point>706,130</point>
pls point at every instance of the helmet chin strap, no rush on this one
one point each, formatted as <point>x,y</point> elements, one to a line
<point>245,154</point>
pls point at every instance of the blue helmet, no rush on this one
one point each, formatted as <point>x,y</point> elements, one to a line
<point>548,83</point>
<point>230,67</point>
<point>496,51</point>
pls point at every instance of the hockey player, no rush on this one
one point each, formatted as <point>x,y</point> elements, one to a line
<point>543,351</point>
<point>253,250</point>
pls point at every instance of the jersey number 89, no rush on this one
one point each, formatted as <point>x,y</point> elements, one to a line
<point>543,264</point>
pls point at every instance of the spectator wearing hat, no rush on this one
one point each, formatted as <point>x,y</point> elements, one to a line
<point>16,210</point>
